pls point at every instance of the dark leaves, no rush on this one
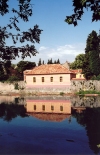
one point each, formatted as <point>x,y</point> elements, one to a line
<point>4,8</point>
<point>79,5</point>
<point>8,53</point>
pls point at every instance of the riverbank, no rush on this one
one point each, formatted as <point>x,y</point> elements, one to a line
<point>23,93</point>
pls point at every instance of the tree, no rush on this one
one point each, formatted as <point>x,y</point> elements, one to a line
<point>55,62</point>
<point>4,70</point>
<point>79,6</point>
<point>91,64</point>
<point>39,63</point>
<point>23,12</point>
<point>78,63</point>
<point>24,65</point>
<point>58,61</point>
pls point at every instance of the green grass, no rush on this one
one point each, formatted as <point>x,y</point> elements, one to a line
<point>82,92</point>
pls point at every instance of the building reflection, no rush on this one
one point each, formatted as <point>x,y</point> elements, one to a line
<point>50,110</point>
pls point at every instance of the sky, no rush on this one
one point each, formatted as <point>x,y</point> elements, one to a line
<point>58,40</point>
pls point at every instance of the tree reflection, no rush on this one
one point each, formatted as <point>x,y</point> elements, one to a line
<point>10,111</point>
<point>90,119</point>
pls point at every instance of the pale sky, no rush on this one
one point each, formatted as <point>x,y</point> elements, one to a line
<point>58,39</point>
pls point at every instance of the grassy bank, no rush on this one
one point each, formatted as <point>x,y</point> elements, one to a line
<point>84,92</point>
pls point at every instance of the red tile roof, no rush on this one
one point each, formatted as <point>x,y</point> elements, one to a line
<point>77,71</point>
<point>49,69</point>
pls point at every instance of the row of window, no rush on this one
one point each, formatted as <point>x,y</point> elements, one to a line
<point>51,79</point>
<point>52,107</point>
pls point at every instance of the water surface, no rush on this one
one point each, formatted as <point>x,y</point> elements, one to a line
<point>28,130</point>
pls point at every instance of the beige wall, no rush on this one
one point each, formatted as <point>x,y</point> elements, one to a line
<point>56,81</point>
<point>79,75</point>
<point>65,105</point>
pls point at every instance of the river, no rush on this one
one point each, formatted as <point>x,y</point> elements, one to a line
<point>49,125</point>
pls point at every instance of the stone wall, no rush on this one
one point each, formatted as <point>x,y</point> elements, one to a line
<point>10,88</point>
<point>74,87</point>
<point>85,85</point>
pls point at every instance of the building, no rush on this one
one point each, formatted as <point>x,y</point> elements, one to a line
<point>66,64</point>
<point>79,75</point>
<point>48,75</point>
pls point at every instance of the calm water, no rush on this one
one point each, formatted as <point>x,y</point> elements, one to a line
<point>27,126</point>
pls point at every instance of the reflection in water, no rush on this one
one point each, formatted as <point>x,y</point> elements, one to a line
<point>9,111</point>
<point>51,117</point>
<point>90,119</point>
<point>86,111</point>
<point>51,110</point>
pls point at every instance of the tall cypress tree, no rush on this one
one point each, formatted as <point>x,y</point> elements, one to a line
<point>39,63</point>
<point>92,60</point>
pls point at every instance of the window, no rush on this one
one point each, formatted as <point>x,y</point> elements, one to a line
<point>34,79</point>
<point>42,79</point>
<point>43,107</point>
<point>52,107</point>
<point>51,79</point>
<point>61,78</point>
<point>34,107</point>
<point>61,108</point>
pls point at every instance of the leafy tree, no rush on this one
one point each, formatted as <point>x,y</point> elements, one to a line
<point>78,63</point>
<point>24,65</point>
<point>4,70</point>
<point>91,64</point>
<point>23,12</point>
<point>13,78</point>
<point>79,6</point>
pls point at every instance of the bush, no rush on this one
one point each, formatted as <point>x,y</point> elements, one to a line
<point>16,86</point>
<point>13,78</point>
<point>96,77</point>
<point>62,93</point>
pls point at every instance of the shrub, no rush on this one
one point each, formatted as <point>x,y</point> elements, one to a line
<point>16,86</point>
<point>96,77</point>
<point>13,78</point>
<point>62,93</point>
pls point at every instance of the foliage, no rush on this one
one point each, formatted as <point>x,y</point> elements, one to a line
<point>55,62</point>
<point>16,86</point>
<point>13,78</point>
<point>78,63</point>
<point>25,65</point>
<point>92,61</point>
<point>79,6</point>
<point>96,78</point>
<point>22,66</point>
<point>10,111</point>
<point>3,77</point>
<point>61,93</point>
<point>23,12</point>
<point>50,61</point>
<point>39,63</point>
<point>82,92</point>
<point>90,119</point>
